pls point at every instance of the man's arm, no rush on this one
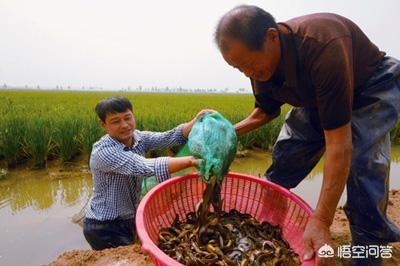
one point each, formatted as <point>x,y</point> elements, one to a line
<point>162,140</point>
<point>110,159</point>
<point>255,120</point>
<point>176,136</point>
<point>178,163</point>
<point>336,170</point>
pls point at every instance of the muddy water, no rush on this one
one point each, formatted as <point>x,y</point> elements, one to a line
<point>36,206</point>
<point>35,212</point>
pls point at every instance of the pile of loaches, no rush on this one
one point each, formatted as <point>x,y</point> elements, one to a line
<point>224,238</point>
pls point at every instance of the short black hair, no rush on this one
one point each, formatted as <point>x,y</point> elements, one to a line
<point>111,105</point>
<point>245,23</point>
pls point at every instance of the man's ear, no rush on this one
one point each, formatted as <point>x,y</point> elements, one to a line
<point>102,124</point>
<point>271,35</point>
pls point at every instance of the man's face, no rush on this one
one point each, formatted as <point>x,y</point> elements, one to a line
<point>259,65</point>
<point>120,126</point>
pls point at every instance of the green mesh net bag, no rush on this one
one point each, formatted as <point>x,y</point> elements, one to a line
<point>213,139</point>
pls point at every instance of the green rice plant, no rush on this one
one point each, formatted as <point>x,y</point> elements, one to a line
<point>38,140</point>
<point>395,133</point>
<point>12,131</point>
<point>90,132</point>
<point>67,137</point>
<point>267,135</point>
<point>246,141</point>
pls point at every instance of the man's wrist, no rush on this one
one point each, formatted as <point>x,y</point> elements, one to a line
<point>197,162</point>
<point>187,127</point>
<point>323,219</point>
<point>192,161</point>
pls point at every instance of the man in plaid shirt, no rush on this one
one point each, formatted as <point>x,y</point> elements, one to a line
<point>118,167</point>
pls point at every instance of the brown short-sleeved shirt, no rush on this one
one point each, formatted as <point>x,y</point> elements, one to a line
<point>326,60</point>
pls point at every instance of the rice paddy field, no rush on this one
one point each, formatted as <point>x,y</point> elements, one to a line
<point>37,126</point>
<point>42,125</point>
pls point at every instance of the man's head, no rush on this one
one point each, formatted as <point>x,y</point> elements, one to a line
<point>116,118</point>
<point>248,39</point>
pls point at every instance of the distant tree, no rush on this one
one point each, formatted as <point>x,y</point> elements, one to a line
<point>4,86</point>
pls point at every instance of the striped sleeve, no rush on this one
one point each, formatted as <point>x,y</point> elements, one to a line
<point>109,159</point>
<point>161,169</point>
<point>162,140</point>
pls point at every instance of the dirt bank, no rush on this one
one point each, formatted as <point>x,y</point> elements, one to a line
<point>132,255</point>
<point>341,232</point>
<point>121,256</point>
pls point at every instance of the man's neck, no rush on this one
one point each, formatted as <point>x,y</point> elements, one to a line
<point>128,143</point>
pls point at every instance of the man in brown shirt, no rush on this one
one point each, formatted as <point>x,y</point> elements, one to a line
<point>346,98</point>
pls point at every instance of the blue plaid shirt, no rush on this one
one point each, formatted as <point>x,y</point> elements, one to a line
<point>118,172</point>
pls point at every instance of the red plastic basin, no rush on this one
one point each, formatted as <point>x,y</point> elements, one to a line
<point>264,200</point>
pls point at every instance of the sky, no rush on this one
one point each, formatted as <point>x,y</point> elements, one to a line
<point>119,44</point>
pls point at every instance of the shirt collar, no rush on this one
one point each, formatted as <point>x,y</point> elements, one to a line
<point>136,140</point>
<point>289,55</point>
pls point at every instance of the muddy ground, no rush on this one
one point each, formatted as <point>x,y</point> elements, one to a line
<point>132,255</point>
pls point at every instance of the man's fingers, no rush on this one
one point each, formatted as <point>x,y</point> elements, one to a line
<point>200,162</point>
<point>308,250</point>
<point>205,111</point>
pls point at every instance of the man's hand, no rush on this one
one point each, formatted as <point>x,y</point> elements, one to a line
<point>188,126</point>
<point>315,236</point>
<point>196,162</point>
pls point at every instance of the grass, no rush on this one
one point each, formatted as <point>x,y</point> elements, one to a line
<point>39,140</point>
<point>90,132</point>
<point>42,125</point>
<point>67,137</point>
<point>12,131</point>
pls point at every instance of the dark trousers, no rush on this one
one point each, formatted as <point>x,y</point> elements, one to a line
<point>301,144</point>
<point>109,234</point>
